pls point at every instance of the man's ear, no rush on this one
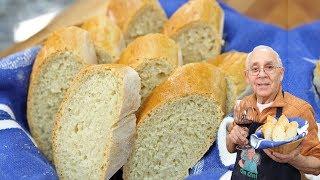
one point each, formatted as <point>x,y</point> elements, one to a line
<point>281,74</point>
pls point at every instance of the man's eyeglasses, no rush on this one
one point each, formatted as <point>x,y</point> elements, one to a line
<point>268,69</point>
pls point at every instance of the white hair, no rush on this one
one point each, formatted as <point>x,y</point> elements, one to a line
<point>263,47</point>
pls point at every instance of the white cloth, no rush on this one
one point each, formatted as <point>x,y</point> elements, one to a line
<point>261,107</point>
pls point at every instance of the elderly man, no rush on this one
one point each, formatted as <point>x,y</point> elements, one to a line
<point>264,72</point>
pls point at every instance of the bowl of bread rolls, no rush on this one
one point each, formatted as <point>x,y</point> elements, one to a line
<point>282,135</point>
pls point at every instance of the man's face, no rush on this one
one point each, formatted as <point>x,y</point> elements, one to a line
<point>264,84</point>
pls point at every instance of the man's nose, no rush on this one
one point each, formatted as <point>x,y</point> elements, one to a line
<point>262,73</point>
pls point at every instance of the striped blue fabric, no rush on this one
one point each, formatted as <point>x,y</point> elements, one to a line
<point>299,49</point>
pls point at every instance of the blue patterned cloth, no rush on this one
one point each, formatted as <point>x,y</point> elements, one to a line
<point>298,48</point>
<point>257,140</point>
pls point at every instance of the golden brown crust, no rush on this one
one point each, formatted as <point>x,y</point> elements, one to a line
<point>151,47</point>
<point>72,39</point>
<point>233,65</point>
<point>124,11</point>
<point>206,12</point>
<point>105,34</point>
<point>193,78</point>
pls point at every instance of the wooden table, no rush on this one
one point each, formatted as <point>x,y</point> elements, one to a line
<point>284,13</point>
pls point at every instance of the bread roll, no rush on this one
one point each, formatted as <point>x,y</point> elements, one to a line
<point>107,37</point>
<point>292,130</point>
<point>278,133</point>
<point>267,128</point>
<point>197,27</point>
<point>137,17</point>
<point>271,119</point>
<point>154,57</point>
<point>178,123</point>
<point>316,77</point>
<point>233,65</point>
<point>93,131</point>
<point>62,56</point>
<point>283,121</point>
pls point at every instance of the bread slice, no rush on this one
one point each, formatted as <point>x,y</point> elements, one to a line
<point>137,17</point>
<point>62,56</point>
<point>233,65</point>
<point>107,37</point>
<point>197,27</point>
<point>178,123</point>
<point>93,131</point>
<point>316,77</point>
<point>154,57</point>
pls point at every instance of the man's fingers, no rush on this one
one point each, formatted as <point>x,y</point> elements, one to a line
<point>242,136</point>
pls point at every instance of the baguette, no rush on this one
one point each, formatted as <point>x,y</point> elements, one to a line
<point>154,57</point>
<point>197,27</point>
<point>107,37</point>
<point>62,56</point>
<point>137,17</point>
<point>178,123</point>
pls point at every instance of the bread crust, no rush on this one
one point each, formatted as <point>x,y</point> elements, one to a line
<point>233,65</point>
<point>195,13</point>
<point>190,79</point>
<point>123,12</point>
<point>151,47</point>
<point>105,34</point>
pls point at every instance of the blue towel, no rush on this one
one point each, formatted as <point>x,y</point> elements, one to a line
<point>19,157</point>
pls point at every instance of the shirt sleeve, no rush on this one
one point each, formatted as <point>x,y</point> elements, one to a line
<point>311,144</point>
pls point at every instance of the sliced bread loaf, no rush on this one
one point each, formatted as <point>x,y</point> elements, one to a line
<point>197,27</point>
<point>137,17</point>
<point>154,57</point>
<point>107,37</point>
<point>178,123</point>
<point>62,56</point>
<point>93,131</point>
<point>233,65</point>
<point>316,77</point>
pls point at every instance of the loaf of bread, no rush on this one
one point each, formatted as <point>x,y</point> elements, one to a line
<point>62,56</point>
<point>154,57</point>
<point>137,17</point>
<point>283,121</point>
<point>197,26</point>
<point>107,37</point>
<point>292,130</point>
<point>316,77</point>
<point>178,123</point>
<point>278,133</point>
<point>94,127</point>
<point>233,65</point>
<point>279,130</point>
<point>267,128</point>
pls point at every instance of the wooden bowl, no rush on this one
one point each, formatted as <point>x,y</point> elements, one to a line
<point>287,148</point>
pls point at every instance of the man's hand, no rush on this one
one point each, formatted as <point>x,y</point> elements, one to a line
<point>238,135</point>
<point>243,113</point>
<point>284,158</point>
